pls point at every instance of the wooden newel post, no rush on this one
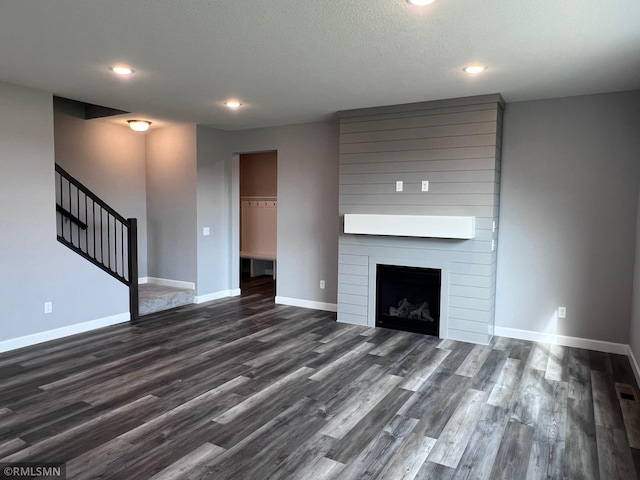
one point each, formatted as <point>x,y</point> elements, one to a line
<point>132,247</point>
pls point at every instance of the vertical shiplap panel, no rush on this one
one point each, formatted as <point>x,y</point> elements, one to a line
<point>455,145</point>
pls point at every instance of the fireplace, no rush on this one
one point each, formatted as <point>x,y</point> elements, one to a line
<point>408,298</point>
<point>452,226</point>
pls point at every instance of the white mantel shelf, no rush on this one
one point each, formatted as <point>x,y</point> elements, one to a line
<point>433,226</point>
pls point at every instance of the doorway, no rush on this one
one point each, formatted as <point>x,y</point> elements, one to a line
<point>258,174</point>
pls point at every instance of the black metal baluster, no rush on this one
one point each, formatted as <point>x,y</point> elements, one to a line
<point>109,238</point>
<point>122,243</point>
<point>70,225</point>
<point>115,243</point>
<point>86,222</point>
<point>93,220</point>
<point>101,238</point>
<point>77,212</point>
<point>61,217</point>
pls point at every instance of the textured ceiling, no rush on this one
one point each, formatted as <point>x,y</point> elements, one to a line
<point>292,61</point>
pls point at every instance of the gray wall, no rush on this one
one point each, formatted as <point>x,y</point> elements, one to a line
<point>110,160</point>
<point>634,327</point>
<point>213,169</point>
<point>455,145</point>
<point>34,267</point>
<point>171,203</point>
<point>569,208</point>
<point>307,205</point>
<point>568,215</point>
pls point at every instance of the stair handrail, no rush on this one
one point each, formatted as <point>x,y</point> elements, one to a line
<point>130,277</point>
<point>89,193</point>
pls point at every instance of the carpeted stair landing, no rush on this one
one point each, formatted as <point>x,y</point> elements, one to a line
<point>156,298</point>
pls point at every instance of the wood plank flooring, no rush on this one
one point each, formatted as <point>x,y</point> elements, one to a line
<point>245,389</point>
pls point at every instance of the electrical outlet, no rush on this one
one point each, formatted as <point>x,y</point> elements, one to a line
<point>425,185</point>
<point>562,312</point>
<point>493,229</point>
<point>493,245</point>
<point>48,307</point>
<point>322,284</point>
<point>399,186</point>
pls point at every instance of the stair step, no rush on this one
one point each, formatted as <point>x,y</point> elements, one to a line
<point>156,298</point>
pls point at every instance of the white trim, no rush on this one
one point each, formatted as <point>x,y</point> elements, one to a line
<point>597,345</point>
<point>634,364</point>
<point>48,335</point>
<point>210,297</point>
<point>296,302</point>
<point>165,282</point>
<point>142,280</point>
<point>234,222</point>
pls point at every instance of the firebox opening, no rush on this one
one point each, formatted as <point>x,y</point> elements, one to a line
<point>408,298</point>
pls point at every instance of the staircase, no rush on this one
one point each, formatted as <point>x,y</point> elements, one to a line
<point>95,231</point>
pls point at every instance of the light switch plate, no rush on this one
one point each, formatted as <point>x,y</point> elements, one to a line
<point>206,231</point>
<point>399,186</point>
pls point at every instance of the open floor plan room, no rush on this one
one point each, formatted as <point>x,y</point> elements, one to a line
<point>244,389</point>
<point>383,239</point>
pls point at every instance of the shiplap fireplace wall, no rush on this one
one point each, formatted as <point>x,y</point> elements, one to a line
<point>455,145</point>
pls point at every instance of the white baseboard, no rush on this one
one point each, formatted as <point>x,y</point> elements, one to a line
<point>296,302</point>
<point>165,282</point>
<point>209,297</point>
<point>142,280</point>
<point>48,335</point>
<point>597,345</point>
<point>634,364</point>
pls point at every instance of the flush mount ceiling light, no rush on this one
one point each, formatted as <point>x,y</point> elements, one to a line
<point>139,125</point>
<point>121,70</point>
<point>420,3</point>
<point>474,69</point>
<point>233,104</point>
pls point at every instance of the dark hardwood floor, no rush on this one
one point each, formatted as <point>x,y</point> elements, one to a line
<point>245,389</point>
<point>263,285</point>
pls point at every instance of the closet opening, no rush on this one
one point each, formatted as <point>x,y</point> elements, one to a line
<point>258,222</point>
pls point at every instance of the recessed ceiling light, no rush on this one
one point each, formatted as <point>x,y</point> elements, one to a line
<point>121,70</point>
<point>139,125</point>
<point>474,69</point>
<point>420,3</point>
<point>233,104</point>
